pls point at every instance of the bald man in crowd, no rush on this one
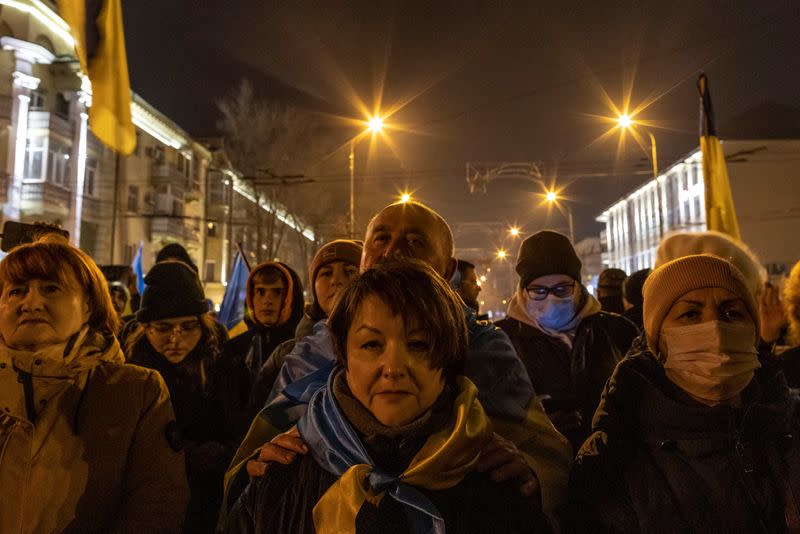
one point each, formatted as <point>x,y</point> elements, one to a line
<point>526,446</point>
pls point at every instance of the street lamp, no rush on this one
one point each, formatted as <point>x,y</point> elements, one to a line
<point>375,126</point>
<point>626,123</point>
<point>501,254</point>
<point>552,197</point>
<point>405,198</point>
<point>514,231</point>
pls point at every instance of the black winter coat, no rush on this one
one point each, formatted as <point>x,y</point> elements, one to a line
<point>204,429</point>
<point>659,461</point>
<point>569,381</point>
<point>282,501</point>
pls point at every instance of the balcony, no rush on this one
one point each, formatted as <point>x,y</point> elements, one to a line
<point>6,105</point>
<point>45,120</point>
<point>170,226</point>
<point>175,228</point>
<point>168,174</point>
<point>46,194</point>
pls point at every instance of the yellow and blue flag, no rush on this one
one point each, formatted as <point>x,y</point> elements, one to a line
<point>96,26</point>
<point>720,211</point>
<point>231,311</point>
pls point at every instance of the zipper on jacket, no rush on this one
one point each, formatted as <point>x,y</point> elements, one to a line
<point>26,380</point>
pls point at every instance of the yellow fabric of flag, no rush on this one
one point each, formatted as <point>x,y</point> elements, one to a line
<point>720,211</point>
<point>107,67</point>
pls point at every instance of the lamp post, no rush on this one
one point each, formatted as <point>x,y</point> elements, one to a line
<point>626,122</point>
<point>552,197</point>
<point>375,126</point>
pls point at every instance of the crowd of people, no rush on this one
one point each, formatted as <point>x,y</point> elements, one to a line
<point>664,402</point>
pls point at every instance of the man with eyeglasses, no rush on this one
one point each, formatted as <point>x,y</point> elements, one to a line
<point>568,345</point>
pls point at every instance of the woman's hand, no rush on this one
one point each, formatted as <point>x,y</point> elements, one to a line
<point>283,449</point>
<point>771,314</point>
<point>506,462</point>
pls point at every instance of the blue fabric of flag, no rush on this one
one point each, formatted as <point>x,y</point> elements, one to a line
<point>231,312</point>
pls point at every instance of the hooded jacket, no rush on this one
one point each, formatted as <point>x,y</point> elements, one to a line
<point>658,461</point>
<point>251,343</point>
<point>83,442</point>
<point>569,380</point>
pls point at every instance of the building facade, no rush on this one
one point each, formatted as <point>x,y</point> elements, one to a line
<point>765,182</point>
<point>171,189</point>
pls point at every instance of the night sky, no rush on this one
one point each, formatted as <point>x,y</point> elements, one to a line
<point>484,81</point>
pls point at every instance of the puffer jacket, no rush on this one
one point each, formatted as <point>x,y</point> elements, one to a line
<point>83,442</point>
<point>658,461</point>
<point>568,380</point>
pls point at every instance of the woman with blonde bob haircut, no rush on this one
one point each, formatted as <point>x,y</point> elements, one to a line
<point>83,434</point>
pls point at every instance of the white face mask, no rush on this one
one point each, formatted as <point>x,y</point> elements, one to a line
<point>712,361</point>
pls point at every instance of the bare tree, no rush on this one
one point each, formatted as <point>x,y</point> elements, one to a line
<point>272,143</point>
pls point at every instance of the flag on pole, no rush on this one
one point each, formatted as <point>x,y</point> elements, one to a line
<point>96,26</point>
<point>231,311</point>
<point>720,211</point>
<point>137,268</point>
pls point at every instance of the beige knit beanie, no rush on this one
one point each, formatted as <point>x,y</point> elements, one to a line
<point>671,281</point>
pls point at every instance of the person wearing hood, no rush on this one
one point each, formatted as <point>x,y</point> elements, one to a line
<point>632,295</point>
<point>568,345</point>
<point>696,432</point>
<point>176,336</point>
<point>609,290</point>
<point>273,309</point>
<point>334,265</point>
<point>84,437</point>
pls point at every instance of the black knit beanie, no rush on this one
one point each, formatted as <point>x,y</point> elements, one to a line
<point>175,251</point>
<point>544,253</point>
<point>172,289</point>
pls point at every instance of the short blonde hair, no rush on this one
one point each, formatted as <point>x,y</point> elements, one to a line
<point>48,259</point>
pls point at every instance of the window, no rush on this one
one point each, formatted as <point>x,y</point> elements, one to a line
<point>211,270</point>
<point>133,198</point>
<point>177,208</point>
<point>89,177</point>
<point>58,164</point>
<point>37,101</point>
<point>34,158</point>
<point>62,106</point>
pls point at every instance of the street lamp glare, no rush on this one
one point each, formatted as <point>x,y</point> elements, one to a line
<point>405,197</point>
<point>501,254</point>
<point>625,121</point>
<point>375,124</point>
<point>551,196</point>
<point>514,231</point>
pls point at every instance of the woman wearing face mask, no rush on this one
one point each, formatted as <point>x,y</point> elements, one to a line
<point>694,433</point>
<point>334,265</point>
<point>568,345</point>
<point>395,436</point>
<point>176,336</point>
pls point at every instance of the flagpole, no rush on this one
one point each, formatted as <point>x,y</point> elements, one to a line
<point>241,253</point>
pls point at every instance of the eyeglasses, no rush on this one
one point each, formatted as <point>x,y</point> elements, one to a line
<point>167,330</point>
<point>560,291</point>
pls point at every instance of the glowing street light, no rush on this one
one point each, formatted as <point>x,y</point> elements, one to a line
<point>514,231</point>
<point>551,196</point>
<point>624,121</point>
<point>375,124</point>
<point>502,254</point>
<point>405,197</point>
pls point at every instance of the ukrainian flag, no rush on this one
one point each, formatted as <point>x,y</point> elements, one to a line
<point>96,26</point>
<point>720,211</point>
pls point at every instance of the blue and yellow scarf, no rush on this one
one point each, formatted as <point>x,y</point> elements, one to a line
<point>444,460</point>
